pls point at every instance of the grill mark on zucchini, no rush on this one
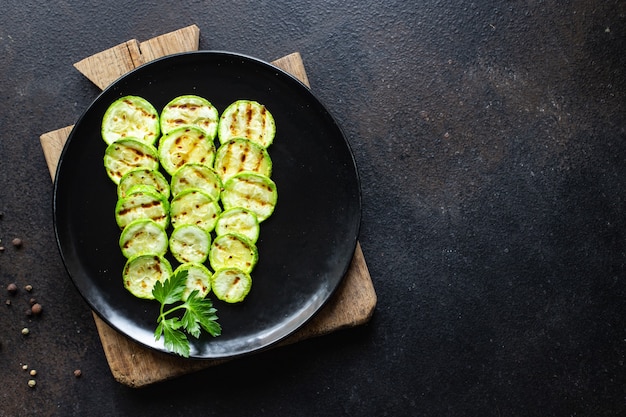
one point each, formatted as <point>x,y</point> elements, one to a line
<point>239,155</point>
<point>196,207</point>
<point>130,116</point>
<point>140,109</point>
<point>248,120</point>
<point>252,191</point>
<point>263,119</point>
<point>185,145</point>
<point>127,154</point>
<point>233,250</point>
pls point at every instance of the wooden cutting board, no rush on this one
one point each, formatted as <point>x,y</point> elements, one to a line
<point>132,364</point>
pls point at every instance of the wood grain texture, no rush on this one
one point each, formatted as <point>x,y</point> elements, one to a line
<point>182,40</point>
<point>134,365</point>
<point>107,66</point>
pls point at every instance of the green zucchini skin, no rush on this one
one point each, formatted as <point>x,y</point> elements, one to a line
<point>231,285</point>
<point>190,243</point>
<point>227,191</point>
<point>199,176</point>
<point>238,220</point>
<point>130,116</point>
<point>198,278</point>
<point>141,272</point>
<point>247,119</point>
<point>142,205</point>
<point>252,191</point>
<point>239,155</point>
<point>233,251</point>
<point>190,110</point>
<point>125,155</point>
<point>194,206</point>
<point>183,146</point>
<point>143,176</point>
<point>143,236</point>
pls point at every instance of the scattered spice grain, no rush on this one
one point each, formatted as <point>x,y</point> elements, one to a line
<point>36,309</point>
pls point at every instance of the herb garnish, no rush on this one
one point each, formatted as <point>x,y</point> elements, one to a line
<point>199,314</point>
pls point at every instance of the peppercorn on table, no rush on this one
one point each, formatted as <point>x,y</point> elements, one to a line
<point>131,364</point>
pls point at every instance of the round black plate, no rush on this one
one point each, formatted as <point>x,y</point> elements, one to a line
<point>305,247</point>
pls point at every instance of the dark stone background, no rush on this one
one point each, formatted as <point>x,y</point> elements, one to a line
<point>490,138</point>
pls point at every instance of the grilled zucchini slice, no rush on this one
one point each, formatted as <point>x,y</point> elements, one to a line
<point>143,176</point>
<point>233,251</point>
<point>197,176</point>
<point>185,145</point>
<point>238,155</point>
<point>127,154</point>
<point>131,116</point>
<point>143,204</point>
<point>190,243</point>
<point>231,285</point>
<point>238,220</point>
<point>190,110</point>
<point>247,119</point>
<point>143,236</point>
<point>141,272</point>
<point>196,207</point>
<point>198,278</point>
<point>251,191</point>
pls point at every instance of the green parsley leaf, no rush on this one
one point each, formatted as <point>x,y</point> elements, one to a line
<point>171,289</point>
<point>173,338</point>
<point>199,314</point>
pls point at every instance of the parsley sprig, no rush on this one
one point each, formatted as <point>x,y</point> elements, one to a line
<point>198,314</point>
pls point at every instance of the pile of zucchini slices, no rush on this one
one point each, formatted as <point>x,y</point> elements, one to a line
<point>179,193</point>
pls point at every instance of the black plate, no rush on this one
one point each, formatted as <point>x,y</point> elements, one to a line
<point>305,247</point>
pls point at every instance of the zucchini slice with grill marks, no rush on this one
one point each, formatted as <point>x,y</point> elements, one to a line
<point>183,146</point>
<point>198,278</point>
<point>238,220</point>
<point>238,155</point>
<point>142,204</point>
<point>141,272</point>
<point>190,243</point>
<point>233,251</point>
<point>143,176</point>
<point>143,236</point>
<point>196,207</point>
<point>231,285</point>
<point>197,176</point>
<point>190,110</point>
<point>130,116</point>
<point>127,154</point>
<point>251,191</point>
<point>247,119</point>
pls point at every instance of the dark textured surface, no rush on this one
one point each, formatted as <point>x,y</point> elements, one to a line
<point>490,139</point>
